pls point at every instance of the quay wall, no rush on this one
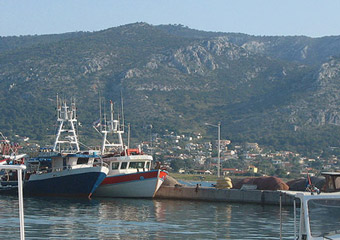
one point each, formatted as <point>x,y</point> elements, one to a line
<point>224,195</point>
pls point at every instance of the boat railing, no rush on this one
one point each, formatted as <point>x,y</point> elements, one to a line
<point>19,169</point>
<point>31,169</point>
<point>69,167</point>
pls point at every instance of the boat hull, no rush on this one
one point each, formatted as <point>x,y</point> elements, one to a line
<point>9,187</point>
<point>135,185</point>
<point>67,183</point>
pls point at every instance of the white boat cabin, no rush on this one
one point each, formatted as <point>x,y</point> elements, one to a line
<point>56,162</point>
<point>319,216</point>
<point>72,161</point>
<point>131,162</point>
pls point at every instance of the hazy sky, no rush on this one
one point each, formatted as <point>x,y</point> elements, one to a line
<point>258,17</point>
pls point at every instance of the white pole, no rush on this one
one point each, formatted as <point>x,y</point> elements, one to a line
<point>19,169</point>
<point>21,205</point>
<point>295,219</point>
<point>112,106</point>
<point>218,126</point>
<point>123,120</point>
<point>100,113</point>
<point>219,151</point>
<point>280,216</point>
<point>129,135</point>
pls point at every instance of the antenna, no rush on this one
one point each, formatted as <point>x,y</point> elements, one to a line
<point>105,123</point>
<point>122,102</point>
<point>3,136</point>
<point>118,122</point>
<point>58,106</point>
<point>100,112</point>
<point>129,135</point>
<point>112,112</point>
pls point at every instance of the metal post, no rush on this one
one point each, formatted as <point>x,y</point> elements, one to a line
<point>129,129</point>
<point>21,205</point>
<point>219,151</point>
<point>19,169</point>
<point>218,126</point>
<point>295,237</point>
<point>151,140</point>
<point>280,216</point>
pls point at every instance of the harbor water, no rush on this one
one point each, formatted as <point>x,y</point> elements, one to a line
<point>60,218</point>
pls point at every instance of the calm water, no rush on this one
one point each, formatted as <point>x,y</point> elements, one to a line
<point>141,219</point>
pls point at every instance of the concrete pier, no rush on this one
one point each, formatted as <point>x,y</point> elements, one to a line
<point>225,195</point>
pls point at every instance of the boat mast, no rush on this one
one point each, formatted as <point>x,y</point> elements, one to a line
<point>66,135</point>
<point>122,103</point>
<point>113,127</point>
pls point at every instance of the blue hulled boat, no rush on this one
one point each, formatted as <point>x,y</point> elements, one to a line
<point>70,175</point>
<point>63,170</point>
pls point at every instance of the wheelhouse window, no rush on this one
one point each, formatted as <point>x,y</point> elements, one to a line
<point>148,165</point>
<point>134,165</point>
<point>324,216</point>
<point>82,160</point>
<point>123,165</point>
<point>115,165</point>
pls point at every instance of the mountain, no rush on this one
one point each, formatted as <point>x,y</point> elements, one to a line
<point>282,92</point>
<point>300,49</point>
<point>13,42</point>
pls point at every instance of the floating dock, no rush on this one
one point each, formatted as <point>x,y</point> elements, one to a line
<point>265,197</point>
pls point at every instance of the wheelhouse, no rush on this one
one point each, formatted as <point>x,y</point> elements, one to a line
<point>128,164</point>
<point>56,162</point>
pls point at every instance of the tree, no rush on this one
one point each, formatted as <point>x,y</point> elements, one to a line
<point>177,164</point>
<point>280,172</point>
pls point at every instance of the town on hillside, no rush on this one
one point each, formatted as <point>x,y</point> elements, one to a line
<point>195,155</point>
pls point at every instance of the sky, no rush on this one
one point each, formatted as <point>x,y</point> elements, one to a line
<point>314,18</point>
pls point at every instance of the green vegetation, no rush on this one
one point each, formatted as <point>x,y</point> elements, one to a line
<point>176,78</point>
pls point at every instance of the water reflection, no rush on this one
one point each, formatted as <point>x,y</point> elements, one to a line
<point>141,219</point>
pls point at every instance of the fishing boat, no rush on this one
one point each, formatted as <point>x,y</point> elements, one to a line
<point>63,170</point>
<point>9,156</point>
<point>9,152</point>
<point>130,170</point>
<point>319,216</point>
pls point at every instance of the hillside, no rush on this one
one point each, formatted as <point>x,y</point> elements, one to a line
<point>279,91</point>
<point>299,49</point>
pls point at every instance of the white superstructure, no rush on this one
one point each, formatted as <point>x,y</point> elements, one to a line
<point>319,216</point>
<point>66,135</point>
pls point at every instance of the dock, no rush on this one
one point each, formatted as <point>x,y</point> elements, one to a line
<point>265,197</point>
